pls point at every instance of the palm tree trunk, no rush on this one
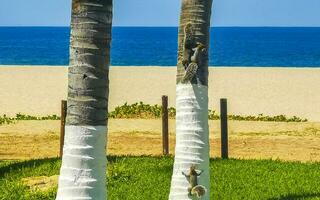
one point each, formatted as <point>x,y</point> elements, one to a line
<point>192,132</point>
<point>82,174</point>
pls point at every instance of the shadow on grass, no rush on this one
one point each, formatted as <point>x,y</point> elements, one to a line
<point>297,196</point>
<point>24,164</point>
<point>18,165</point>
<point>113,158</point>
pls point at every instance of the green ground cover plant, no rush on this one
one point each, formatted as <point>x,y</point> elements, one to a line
<point>136,178</point>
<point>146,111</point>
<point>8,120</point>
<point>20,116</point>
<point>141,110</point>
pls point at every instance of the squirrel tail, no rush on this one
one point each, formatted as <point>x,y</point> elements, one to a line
<point>199,191</point>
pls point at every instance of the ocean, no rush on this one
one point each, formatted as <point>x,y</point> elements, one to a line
<point>142,46</point>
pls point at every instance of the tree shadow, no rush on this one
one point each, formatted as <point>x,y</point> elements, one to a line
<point>24,164</point>
<point>297,196</point>
<point>114,158</point>
<point>17,165</point>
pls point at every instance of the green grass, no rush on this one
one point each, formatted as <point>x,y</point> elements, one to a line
<point>149,178</point>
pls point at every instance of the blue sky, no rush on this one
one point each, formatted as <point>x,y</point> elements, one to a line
<point>166,12</point>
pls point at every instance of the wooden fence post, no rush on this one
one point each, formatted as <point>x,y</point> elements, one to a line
<point>63,123</point>
<point>224,128</point>
<point>165,126</point>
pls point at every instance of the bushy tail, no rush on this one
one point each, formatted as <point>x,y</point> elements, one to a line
<point>199,191</point>
<point>190,72</point>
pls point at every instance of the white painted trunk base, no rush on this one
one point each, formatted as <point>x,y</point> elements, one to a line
<point>83,170</point>
<point>192,140</point>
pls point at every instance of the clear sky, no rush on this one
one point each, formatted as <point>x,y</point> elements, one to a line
<point>166,12</point>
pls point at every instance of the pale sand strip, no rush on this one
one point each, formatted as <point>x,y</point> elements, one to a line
<point>272,91</point>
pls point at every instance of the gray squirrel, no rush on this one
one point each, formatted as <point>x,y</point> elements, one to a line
<point>192,52</point>
<point>194,189</point>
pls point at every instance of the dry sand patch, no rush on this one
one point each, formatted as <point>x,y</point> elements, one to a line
<point>275,140</point>
<point>42,183</point>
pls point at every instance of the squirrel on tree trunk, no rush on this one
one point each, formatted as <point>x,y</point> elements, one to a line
<point>194,188</point>
<point>192,52</point>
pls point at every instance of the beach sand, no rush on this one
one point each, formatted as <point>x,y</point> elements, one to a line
<point>272,91</point>
<point>250,91</point>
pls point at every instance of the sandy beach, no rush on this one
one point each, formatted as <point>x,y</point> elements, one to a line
<point>271,91</point>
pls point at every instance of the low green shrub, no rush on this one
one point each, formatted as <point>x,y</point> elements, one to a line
<point>261,117</point>
<point>140,110</point>
<point>20,116</point>
<point>145,111</point>
<point>6,120</point>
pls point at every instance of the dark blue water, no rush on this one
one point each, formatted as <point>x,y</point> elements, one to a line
<point>287,47</point>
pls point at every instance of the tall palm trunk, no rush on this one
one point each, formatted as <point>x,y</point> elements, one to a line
<point>191,165</point>
<point>82,174</point>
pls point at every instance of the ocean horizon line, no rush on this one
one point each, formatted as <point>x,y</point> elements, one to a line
<point>170,66</point>
<point>45,26</point>
<point>157,46</point>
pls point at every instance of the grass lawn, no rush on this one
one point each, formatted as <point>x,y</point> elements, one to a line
<point>149,178</point>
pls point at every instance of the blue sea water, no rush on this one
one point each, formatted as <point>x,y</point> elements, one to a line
<point>285,47</point>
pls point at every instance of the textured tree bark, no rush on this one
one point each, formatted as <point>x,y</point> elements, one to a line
<point>82,174</point>
<point>192,132</point>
